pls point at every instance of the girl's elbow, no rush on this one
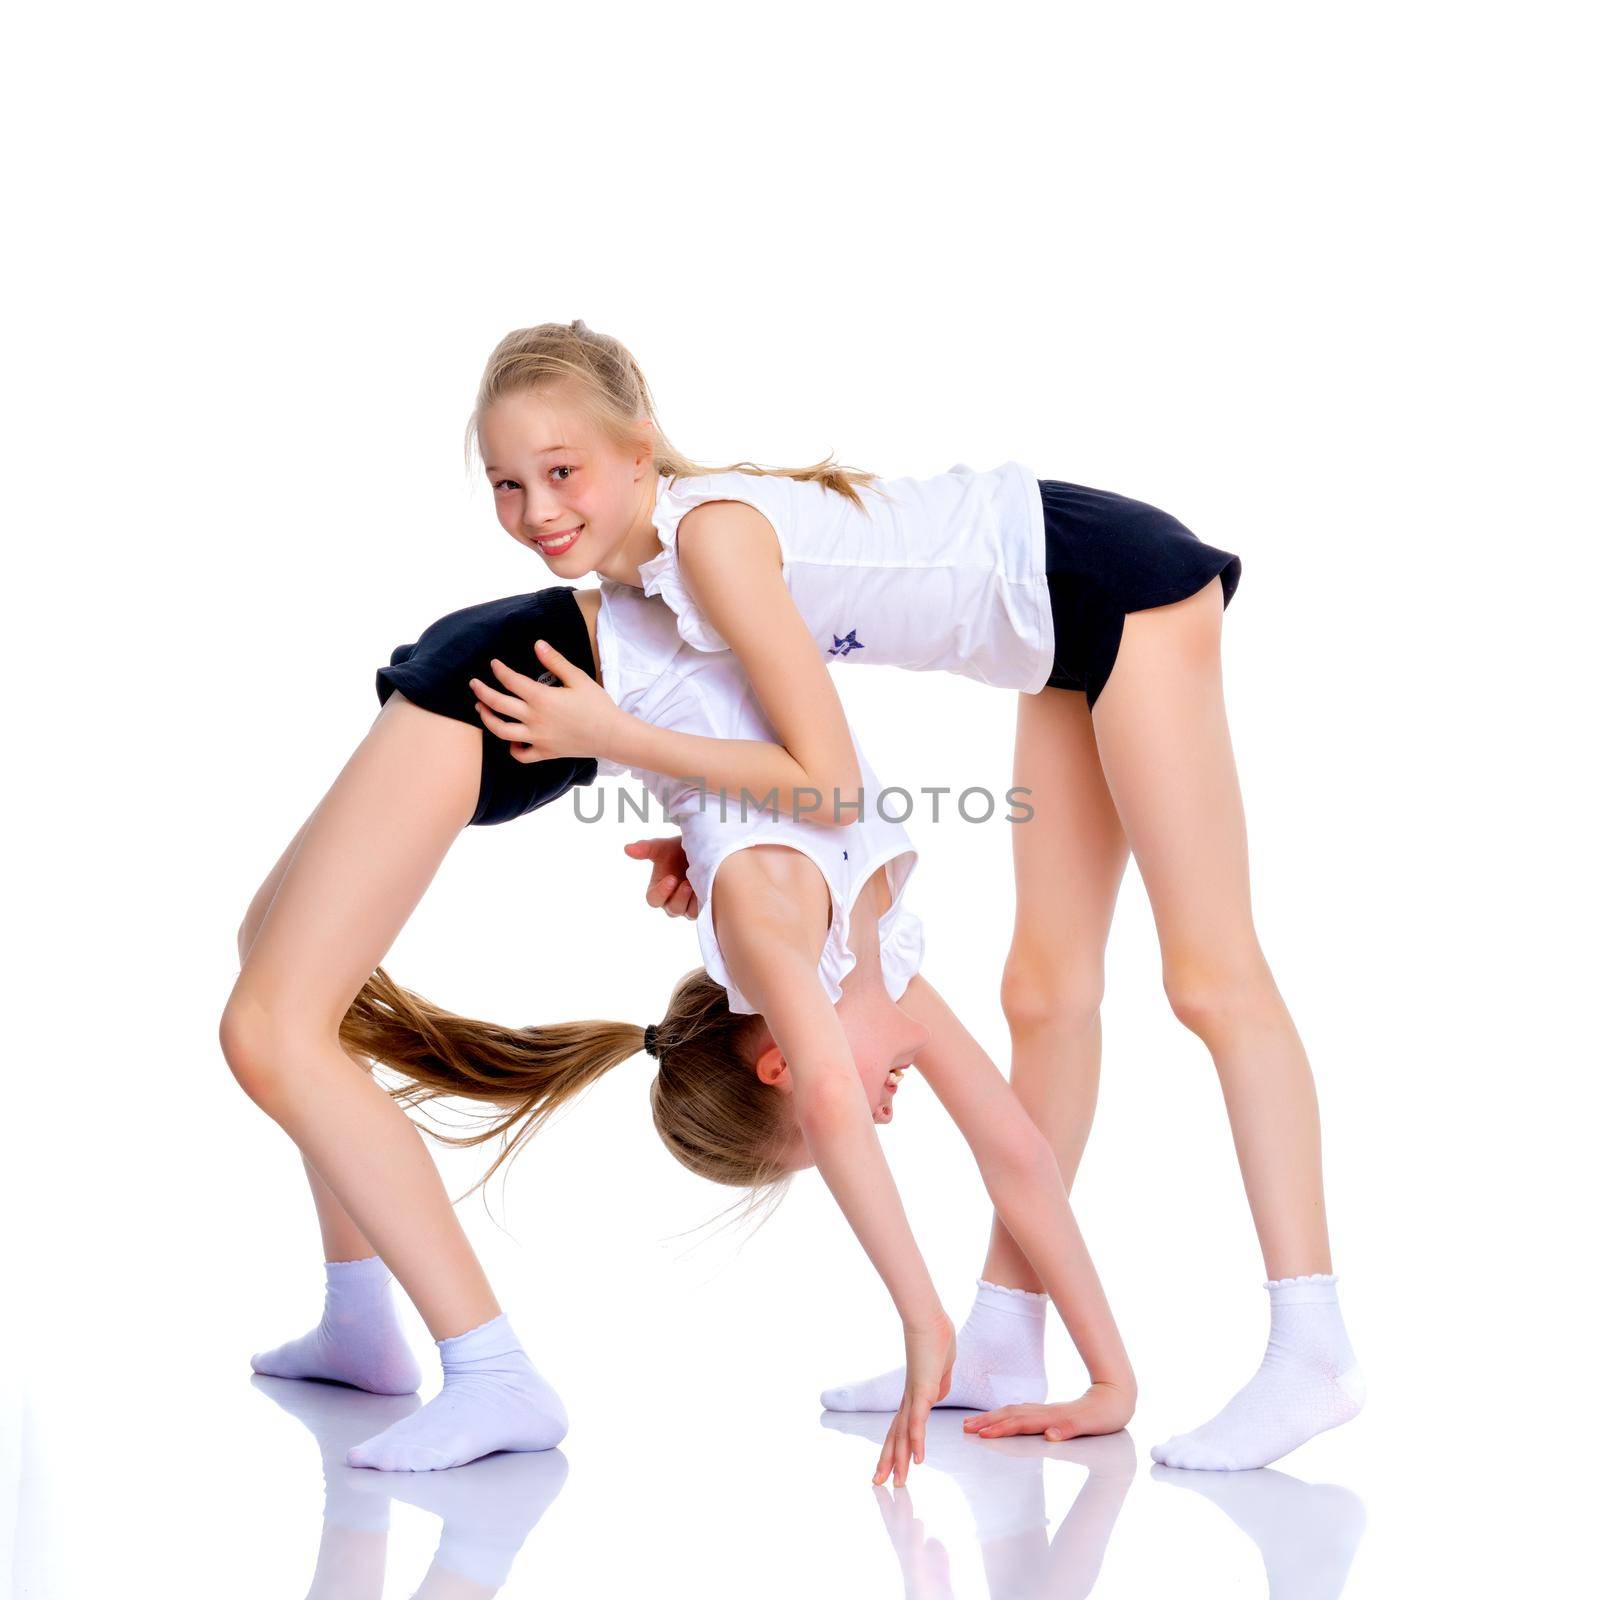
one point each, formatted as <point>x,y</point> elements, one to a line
<point>841,798</point>
<point>829,1111</point>
<point>1022,1157</point>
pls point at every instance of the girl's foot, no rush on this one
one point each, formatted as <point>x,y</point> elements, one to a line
<point>359,1340</point>
<point>999,1359</point>
<point>1307,1382</point>
<point>493,1399</point>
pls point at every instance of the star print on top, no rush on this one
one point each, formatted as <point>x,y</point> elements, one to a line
<point>943,574</point>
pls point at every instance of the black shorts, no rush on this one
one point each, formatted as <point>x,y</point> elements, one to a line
<point>434,672</point>
<point>1106,555</point>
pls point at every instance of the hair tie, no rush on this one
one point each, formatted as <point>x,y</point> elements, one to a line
<point>650,1034</point>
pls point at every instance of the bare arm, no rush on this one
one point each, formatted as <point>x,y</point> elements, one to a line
<point>766,772</point>
<point>771,939</point>
<point>1022,1177</point>
<point>731,563</point>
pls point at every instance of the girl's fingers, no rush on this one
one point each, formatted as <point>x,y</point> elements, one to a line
<point>488,717</point>
<point>496,697</point>
<point>886,1458</point>
<point>898,1456</point>
<point>1067,1427</point>
<point>997,1415</point>
<point>555,661</point>
<point>515,732</point>
<point>645,848</point>
<point>916,1417</point>
<point>519,681</point>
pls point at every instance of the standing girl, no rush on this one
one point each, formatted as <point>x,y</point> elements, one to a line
<point>1105,614</point>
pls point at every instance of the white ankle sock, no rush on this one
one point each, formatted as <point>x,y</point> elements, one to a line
<point>493,1399</point>
<point>359,1340</point>
<point>1308,1381</point>
<point>999,1359</point>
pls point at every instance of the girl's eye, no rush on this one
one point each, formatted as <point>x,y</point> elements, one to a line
<point>507,482</point>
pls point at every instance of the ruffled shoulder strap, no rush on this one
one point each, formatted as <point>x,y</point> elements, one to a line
<point>660,575</point>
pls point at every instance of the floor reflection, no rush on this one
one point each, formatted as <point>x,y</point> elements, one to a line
<point>488,1508</point>
<point>1002,1481</point>
<point>1307,1533</point>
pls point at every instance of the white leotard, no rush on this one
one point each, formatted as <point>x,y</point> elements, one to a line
<point>940,574</point>
<point>648,670</point>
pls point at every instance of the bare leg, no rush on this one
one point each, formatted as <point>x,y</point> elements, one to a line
<point>1163,739</point>
<point>365,857</point>
<point>342,1240</point>
<point>1069,858</point>
<point>1164,746</point>
<point>363,861</point>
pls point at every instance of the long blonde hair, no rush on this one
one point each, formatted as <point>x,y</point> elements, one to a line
<point>709,1107</point>
<point>610,389</point>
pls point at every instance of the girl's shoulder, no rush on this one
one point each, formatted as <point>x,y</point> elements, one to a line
<point>660,575</point>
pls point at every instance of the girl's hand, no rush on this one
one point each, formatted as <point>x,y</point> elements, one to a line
<point>541,721</point>
<point>1102,1408</point>
<point>930,1354</point>
<point>669,889</point>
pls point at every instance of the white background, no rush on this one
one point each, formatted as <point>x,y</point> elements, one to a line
<point>1319,282</point>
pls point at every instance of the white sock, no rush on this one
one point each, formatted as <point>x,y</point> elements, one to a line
<point>1308,1381</point>
<point>359,1340</point>
<point>999,1359</point>
<point>493,1399</point>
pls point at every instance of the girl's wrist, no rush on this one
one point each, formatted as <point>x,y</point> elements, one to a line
<point>926,1314</point>
<point>612,741</point>
<point>1122,1383</point>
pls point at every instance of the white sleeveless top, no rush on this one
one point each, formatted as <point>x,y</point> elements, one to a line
<point>941,574</point>
<point>649,671</point>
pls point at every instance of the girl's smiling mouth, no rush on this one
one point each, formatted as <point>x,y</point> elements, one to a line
<point>553,544</point>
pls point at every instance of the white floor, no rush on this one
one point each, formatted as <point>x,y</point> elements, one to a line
<point>203,1481</point>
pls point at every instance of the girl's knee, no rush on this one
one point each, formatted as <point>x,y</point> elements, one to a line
<point>1209,996</point>
<point>1040,990</point>
<point>262,1044</point>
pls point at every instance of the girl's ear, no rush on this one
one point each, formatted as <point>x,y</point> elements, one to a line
<point>772,1068</point>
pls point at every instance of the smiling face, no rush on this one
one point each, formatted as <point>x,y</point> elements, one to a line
<point>561,487</point>
<point>884,1041</point>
